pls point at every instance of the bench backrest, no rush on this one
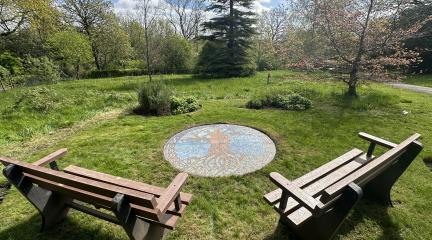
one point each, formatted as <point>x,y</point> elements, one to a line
<point>373,168</point>
<point>83,189</point>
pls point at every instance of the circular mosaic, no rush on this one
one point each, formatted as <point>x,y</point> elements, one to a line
<point>219,150</point>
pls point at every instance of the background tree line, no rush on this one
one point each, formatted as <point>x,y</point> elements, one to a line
<point>48,40</point>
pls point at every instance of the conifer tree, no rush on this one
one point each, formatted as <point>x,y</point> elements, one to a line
<point>227,51</point>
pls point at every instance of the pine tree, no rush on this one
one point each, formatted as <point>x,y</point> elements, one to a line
<point>227,51</point>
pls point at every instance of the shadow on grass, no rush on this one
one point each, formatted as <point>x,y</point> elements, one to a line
<point>69,229</point>
<point>364,210</point>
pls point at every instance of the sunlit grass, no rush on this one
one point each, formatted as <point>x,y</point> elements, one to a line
<point>231,207</point>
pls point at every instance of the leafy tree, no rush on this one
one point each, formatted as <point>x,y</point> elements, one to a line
<point>41,70</point>
<point>12,63</point>
<point>88,15</point>
<point>72,48</point>
<point>230,39</point>
<point>112,44</point>
<point>177,54</point>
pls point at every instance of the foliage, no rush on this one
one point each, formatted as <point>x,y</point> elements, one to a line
<point>12,63</point>
<point>177,55</point>
<point>292,101</point>
<point>112,45</point>
<point>72,49</point>
<point>155,99</point>
<point>40,99</point>
<point>116,73</point>
<point>180,105</point>
<point>230,39</point>
<point>41,70</point>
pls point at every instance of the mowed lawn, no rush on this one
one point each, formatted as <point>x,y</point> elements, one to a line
<point>92,119</point>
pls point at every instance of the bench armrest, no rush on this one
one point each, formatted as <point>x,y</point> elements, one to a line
<point>50,159</point>
<point>172,193</point>
<point>374,141</point>
<point>291,190</point>
<point>377,140</point>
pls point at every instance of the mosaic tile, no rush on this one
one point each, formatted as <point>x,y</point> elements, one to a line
<point>219,150</point>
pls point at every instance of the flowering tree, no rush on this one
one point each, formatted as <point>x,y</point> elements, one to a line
<point>363,34</point>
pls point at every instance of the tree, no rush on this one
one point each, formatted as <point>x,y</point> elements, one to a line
<point>73,48</point>
<point>88,15</point>
<point>177,54</point>
<point>186,16</point>
<point>230,39</point>
<point>147,17</point>
<point>364,35</point>
<point>274,23</point>
<point>14,14</point>
<point>112,44</point>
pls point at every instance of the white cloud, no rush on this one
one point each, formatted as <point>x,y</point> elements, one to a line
<point>127,6</point>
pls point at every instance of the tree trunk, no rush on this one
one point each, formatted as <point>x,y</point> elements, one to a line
<point>95,56</point>
<point>1,83</point>
<point>353,81</point>
<point>77,68</point>
<point>149,70</point>
<point>231,30</point>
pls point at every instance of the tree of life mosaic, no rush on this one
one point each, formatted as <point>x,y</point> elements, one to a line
<point>219,150</point>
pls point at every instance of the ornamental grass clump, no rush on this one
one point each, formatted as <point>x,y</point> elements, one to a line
<point>156,98</point>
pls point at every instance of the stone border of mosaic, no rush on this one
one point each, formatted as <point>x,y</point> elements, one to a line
<point>216,150</point>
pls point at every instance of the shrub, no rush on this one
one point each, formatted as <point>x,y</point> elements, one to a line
<point>180,105</point>
<point>154,99</point>
<point>294,102</point>
<point>116,73</point>
<point>39,99</point>
<point>41,70</point>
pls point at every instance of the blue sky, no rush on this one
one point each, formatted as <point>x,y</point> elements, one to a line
<point>126,5</point>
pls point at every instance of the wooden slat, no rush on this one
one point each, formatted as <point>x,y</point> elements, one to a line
<point>88,197</point>
<point>371,169</point>
<point>51,158</point>
<point>109,190</point>
<point>274,196</point>
<point>319,186</point>
<point>186,198</point>
<point>172,192</point>
<point>93,212</point>
<point>295,192</point>
<point>377,140</point>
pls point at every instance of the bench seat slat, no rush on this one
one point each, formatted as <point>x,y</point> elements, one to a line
<point>274,196</point>
<point>89,197</point>
<point>186,198</point>
<point>370,170</point>
<point>109,190</point>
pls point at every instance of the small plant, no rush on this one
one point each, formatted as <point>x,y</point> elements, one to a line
<point>180,105</point>
<point>39,99</point>
<point>293,102</point>
<point>155,99</point>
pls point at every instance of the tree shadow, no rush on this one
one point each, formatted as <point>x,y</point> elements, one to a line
<point>69,229</point>
<point>364,210</point>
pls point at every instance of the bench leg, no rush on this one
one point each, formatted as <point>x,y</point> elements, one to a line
<point>324,226</point>
<point>378,189</point>
<point>136,228</point>
<point>51,206</point>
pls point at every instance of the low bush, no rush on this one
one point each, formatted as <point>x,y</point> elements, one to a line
<point>290,101</point>
<point>116,73</point>
<point>41,70</point>
<point>157,98</point>
<point>40,99</point>
<point>180,105</point>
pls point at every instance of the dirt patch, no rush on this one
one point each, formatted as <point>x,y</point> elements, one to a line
<point>428,162</point>
<point>4,188</point>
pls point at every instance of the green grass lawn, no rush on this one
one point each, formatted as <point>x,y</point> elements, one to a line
<point>421,80</point>
<point>92,119</point>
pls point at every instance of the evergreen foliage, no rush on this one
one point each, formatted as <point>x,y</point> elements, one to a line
<point>227,52</point>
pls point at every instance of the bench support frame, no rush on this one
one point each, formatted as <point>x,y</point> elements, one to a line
<point>136,228</point>
<point>378,189</point>
<point>324,226</point>
<point>52,207</point>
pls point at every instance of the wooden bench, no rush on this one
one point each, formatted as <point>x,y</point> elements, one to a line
<point>314,205</point>
<point>144,211</point>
